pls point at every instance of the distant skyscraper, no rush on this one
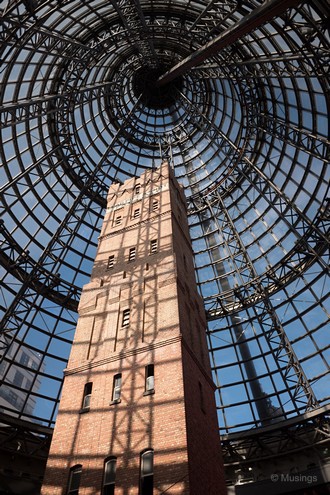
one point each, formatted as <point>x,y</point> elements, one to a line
<point>20,381</point>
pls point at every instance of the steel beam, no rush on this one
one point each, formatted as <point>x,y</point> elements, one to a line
<point>266,12</point>
<point>28,295</point>
<point>20,264</point>
<point>132,16</point>
<point>21,111</point>
<point>255,445</point>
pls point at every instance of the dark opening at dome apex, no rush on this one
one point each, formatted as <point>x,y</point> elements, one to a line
<point>144,84</point>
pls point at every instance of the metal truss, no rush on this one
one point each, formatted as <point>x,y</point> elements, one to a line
<point>289,367</point>
<point>22,111</point>
<point>259,16</point>
<point>68,154</point>
<point>21,438</point>
<point>285,66</point>
<point>312,236</point>
<point>35,283</point>
<point>309,431</point>
<point>246,136</point>
<point>312,243</point>
<point>20,264</point>
<point>234,151</point>
<point>318,146</point>
<point>212,17</point>
<point>30,36</point>
<point>132,15</point>
<point>297,63</point>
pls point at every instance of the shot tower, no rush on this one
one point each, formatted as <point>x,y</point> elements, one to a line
<point>137,414</point>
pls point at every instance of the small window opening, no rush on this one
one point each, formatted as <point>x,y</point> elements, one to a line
<point>147,472</point>
<point>118,220</point>
<point>136,213</point>
<point>155,205</point>
<point>132,254</point>
<point>116,390</point>
<point>109,476</point>
<point>74,479</point>
<point>153,246</point>
<point>137,189</point>
<point>126,317</point>
<point>111,262</point>
<point>149,379</point>
<point>87,396</point>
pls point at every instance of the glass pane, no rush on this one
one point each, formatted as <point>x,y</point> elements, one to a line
<point>110,471</point>
<point>147,463</point>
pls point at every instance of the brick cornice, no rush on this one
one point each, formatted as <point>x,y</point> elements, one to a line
<point>121,355</point>
<point>134,225</point>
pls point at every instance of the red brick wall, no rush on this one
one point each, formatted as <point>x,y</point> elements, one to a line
<point>160,291</point>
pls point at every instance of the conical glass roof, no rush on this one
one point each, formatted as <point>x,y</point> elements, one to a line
<point>246,130</point>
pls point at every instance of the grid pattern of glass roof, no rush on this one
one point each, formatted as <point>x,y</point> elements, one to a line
<point>246,131</point>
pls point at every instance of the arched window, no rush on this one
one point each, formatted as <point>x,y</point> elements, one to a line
<point>147,472</point>
<point>109,476</point>
<point>74,480</point>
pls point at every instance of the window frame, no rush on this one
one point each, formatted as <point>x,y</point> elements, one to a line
<point>132,254</point>
<point>126,315</point>
<point>118,219</point>
<point>77,469</point>
<point>137,189</point>
<point>136,213</point>
<point>111,262</point>
<point>146,481</point>
<point>153,249</point>
<point>86,401</point>
<point>108,488</point>
<point>155,204</point>
<point>116,388</point>
<point>149,379</point>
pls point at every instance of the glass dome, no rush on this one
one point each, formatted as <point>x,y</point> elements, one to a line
<point>246,131</point>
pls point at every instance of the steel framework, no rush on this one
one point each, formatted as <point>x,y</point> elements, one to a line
<point>236,95</point>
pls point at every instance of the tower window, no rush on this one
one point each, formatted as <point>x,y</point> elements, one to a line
<point>155,205</point>
<point>147,472</point>
<point>116,389</point>
<point>87,397</point>
<point>109,476</point>
<point>111,262</point>
<point>74,479</point>
<point>132,254</point>
<point>118,220</point>
<point>137,189</point>
<point>136,213</point>
<point>126,317</point>
<point>153,246</point>
<point>149,379</point>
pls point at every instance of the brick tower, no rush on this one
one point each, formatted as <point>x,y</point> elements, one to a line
<point>137,414</point>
